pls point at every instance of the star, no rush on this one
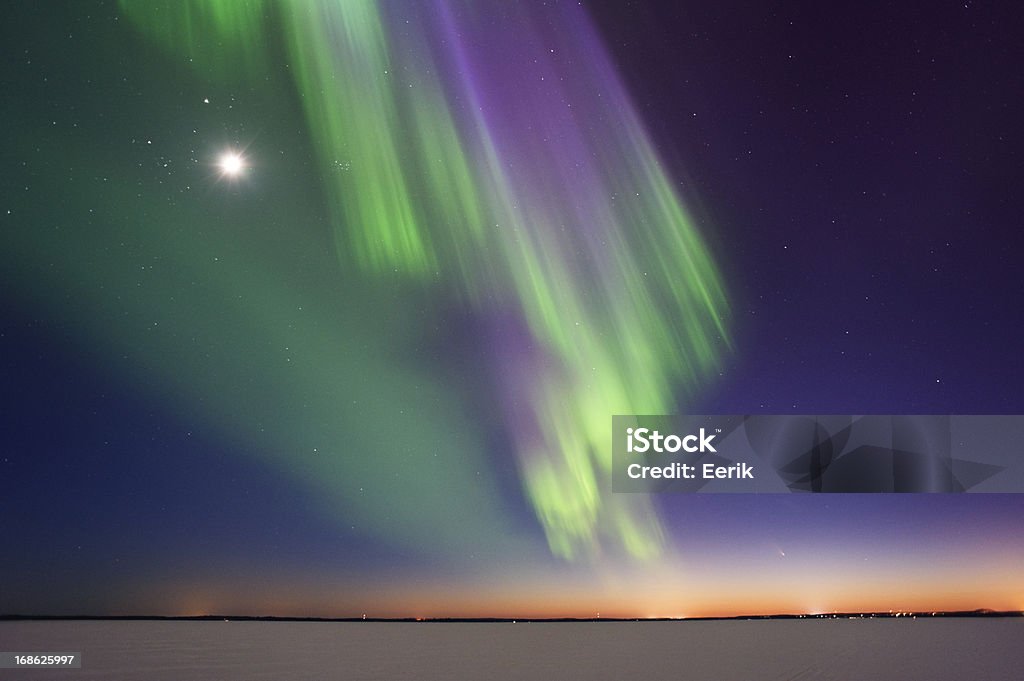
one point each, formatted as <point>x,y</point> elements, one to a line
<point>231,164</point>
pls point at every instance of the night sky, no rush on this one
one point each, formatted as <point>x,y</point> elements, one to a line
<point>323,308</point>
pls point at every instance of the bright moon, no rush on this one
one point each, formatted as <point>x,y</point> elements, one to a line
<point>231,164</point>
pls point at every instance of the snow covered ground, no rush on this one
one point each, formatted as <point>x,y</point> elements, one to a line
<point>879,649</point>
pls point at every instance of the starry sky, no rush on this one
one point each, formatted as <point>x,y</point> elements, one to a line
<point>323,308</point>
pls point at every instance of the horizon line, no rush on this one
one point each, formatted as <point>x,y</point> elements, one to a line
<point>979,612</point>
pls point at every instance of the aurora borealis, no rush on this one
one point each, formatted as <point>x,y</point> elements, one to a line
<point>369,363</point>
<point>564,228</point>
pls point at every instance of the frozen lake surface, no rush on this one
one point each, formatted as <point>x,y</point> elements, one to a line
<point>897,649</point>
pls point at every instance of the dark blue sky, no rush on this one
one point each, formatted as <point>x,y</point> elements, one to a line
<point>854,168</point>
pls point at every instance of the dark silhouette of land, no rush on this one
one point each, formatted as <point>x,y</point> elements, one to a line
<point>274,618</point>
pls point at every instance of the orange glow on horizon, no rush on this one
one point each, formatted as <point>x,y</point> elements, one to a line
<point>538,599</point>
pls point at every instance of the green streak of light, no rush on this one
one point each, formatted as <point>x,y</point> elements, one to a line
<point>620,327</point>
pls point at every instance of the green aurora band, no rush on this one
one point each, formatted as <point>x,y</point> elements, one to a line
<point>495,164</point>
